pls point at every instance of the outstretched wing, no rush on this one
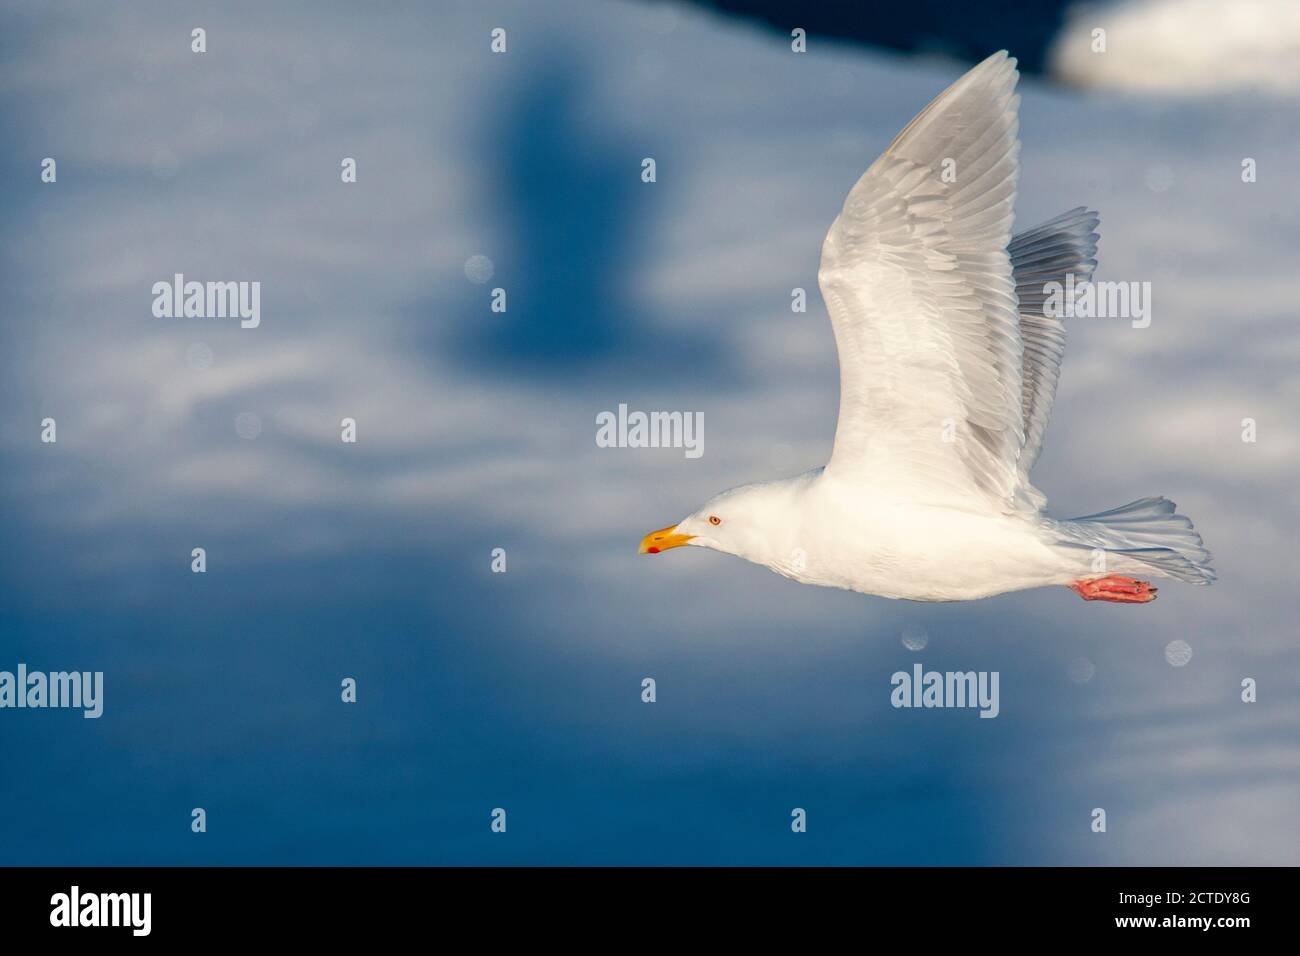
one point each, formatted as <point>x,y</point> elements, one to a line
<point>1049,253</point>
<point>917,280</point>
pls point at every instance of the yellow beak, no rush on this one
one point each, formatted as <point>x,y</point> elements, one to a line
<point>662,540</point>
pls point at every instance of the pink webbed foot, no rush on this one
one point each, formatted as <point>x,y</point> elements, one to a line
<point>1115,589</point>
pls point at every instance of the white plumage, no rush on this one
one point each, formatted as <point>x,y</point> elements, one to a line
<point>948,368</point>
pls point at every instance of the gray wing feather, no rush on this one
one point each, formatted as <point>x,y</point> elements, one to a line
<point>1047,253</point>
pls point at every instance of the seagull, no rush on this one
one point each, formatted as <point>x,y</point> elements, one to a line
<point>949,355</point>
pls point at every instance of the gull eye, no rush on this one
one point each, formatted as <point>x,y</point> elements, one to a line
<point>714,519</point>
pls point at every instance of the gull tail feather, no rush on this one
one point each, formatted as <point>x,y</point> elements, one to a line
<point>1147,531</point>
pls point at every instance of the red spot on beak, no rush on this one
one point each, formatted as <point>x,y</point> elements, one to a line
<point>662,540</point>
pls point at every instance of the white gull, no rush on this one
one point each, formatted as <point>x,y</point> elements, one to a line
<point>948,367</point>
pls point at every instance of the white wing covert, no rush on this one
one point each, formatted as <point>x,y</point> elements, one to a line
<point>918,284</point>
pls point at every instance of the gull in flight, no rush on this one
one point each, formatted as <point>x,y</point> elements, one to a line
<point>948,366</point>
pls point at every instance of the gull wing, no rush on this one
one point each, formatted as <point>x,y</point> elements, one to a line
<point>1060,247</point>
<point>918,283</point>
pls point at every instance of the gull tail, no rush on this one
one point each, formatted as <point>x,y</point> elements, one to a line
<point>1144,534</point>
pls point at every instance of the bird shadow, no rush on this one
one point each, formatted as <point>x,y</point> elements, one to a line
<point>572,223</point>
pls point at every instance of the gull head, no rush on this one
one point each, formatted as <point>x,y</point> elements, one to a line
<point>757,522</point>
